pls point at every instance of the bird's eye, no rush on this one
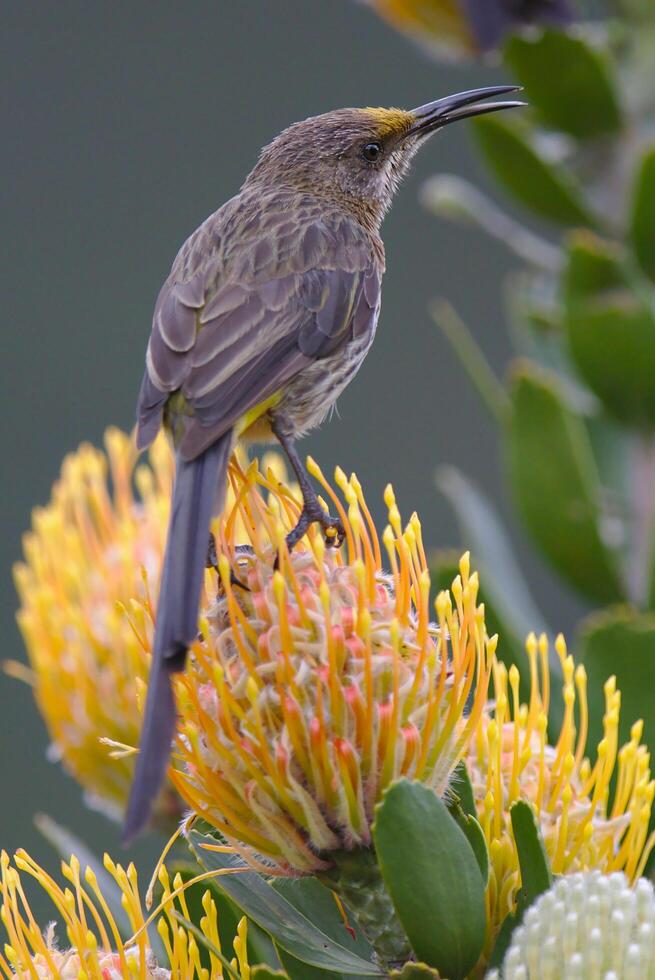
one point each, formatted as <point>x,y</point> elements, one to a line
<point>371,152</point>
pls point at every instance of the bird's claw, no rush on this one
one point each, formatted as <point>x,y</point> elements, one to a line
<point>334,532</point>
<point>314,514</point>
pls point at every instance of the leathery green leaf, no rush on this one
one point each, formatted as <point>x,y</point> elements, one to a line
<point>568,81</point>
<point>288,927</point>
<point>556,485</point>
<point>536,876</point>
<point>475,836</point>
<point>319,905</point>
<point>621,643</point>
<point>544,187</point>
<point>462,789</point>
<point>610,328</point>
<point>612,342</point>
<point>594,265</point>
<point>642,221</point>
<point>433,877</point>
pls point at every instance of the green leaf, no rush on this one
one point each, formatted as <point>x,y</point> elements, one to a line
<point>569,82</point>
<point>290,930</point>
<point>555,481</point>
<point>462,788</point>
<point>612,341</point>
<point>432,876</point>
<point>536,876</point>
<point>620,642</point>
<point>593,265</point>
<point>612,447</point>
<point>266,973</point>
<point>610,328</point>
<point>544,187</point>
<point>461,804</point>
<point>297,970</point>
<point>642,220</point>
<point>318,904</point>
<point>474,835</point>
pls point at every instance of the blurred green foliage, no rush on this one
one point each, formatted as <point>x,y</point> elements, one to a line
<point>576,421</point>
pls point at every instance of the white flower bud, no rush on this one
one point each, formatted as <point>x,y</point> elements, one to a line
<point>589,926</point>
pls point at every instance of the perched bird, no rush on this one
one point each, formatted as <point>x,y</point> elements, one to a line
<point>267,314</point>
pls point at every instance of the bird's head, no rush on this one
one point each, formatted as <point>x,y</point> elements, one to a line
<point>359,156</point>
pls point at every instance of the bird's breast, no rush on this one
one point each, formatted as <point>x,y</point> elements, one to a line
<point>313,393</point>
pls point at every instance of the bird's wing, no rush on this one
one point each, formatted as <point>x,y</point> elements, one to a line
<point>228,348</point>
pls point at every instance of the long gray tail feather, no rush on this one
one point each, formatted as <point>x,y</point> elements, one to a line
<point>200,486</point>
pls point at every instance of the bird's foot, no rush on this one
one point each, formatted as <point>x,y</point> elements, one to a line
<point>313,513</point>
<point>212,562</point>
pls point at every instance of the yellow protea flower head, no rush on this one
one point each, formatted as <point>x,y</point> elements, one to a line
<point>511,759</point>
<point>95,949</point>
<point>456,29</point>
<point>325,679</point>
<point>587,926</point>
<point>440,24</point>
<point>94,555</point>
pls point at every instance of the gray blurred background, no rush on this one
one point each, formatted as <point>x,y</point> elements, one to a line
<point>124,126</point>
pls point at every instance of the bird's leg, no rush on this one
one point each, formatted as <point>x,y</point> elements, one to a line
<point>212,562</point>
<point>312,511</point>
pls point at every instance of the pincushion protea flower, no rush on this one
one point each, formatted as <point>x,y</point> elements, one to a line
<point>586,926</point>
<point>324,680</point>
<point>97,951</point>
<point>94,554</point>
<point>510,759</point>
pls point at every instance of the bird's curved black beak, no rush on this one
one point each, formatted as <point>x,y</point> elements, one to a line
<point>434,115</point>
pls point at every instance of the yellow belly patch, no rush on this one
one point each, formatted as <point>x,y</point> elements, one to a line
<point>252,425</point>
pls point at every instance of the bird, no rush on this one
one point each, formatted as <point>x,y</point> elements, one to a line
<point>270,308</point>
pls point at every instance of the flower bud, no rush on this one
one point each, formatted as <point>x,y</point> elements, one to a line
<point>587,925</point>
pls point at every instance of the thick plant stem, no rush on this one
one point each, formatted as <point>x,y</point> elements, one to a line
<point>357,880</point>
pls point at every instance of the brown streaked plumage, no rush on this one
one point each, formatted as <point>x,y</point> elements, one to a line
<point>268,312</point>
